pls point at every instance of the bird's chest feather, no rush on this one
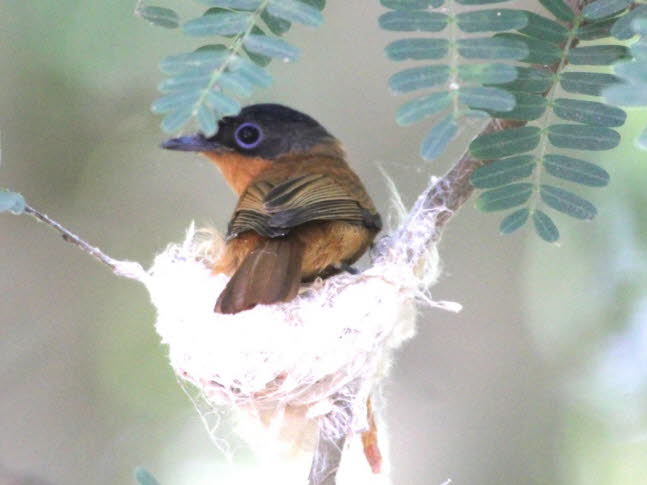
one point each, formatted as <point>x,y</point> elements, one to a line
<point>238,170</point>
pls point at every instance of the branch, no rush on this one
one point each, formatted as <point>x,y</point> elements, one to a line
<point>127,269</point>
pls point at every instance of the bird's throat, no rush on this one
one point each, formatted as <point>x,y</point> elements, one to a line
<point>238,170</point>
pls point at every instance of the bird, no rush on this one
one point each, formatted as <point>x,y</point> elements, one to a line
<point>302,212</point>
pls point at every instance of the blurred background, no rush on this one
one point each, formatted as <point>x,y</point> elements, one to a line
<point>541,379</point>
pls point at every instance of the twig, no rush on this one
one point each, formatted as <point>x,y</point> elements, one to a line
<point>326,461</point>
<point>127,269</point>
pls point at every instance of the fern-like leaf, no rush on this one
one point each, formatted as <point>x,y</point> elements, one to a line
<point>206,84</point>
<point>523,157</point>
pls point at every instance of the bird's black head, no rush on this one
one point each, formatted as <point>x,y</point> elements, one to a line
<point>266,131</point>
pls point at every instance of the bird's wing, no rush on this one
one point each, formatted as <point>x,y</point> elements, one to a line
<point>272,210</point>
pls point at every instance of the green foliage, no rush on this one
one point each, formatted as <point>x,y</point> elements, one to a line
<point>631,90</point>
<point>206,84</point>
<point>11,202</point>
<point>144,477</point>
<point>531,51</point>
<point>163,17</point>
<point>465,86</point>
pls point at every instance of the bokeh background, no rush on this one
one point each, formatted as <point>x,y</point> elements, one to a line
<point>541,379</point>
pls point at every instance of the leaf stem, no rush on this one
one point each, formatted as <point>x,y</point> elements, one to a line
<point>234,48</point>
<point>571,42</point>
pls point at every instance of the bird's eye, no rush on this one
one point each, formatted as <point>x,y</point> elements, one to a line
<point>248,135</point>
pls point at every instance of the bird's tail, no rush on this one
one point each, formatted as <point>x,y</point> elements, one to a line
<point>270,273</point>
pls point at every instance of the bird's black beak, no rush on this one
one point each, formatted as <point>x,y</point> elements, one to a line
<point>193,143</point>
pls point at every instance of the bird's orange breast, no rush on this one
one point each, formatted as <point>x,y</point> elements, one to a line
<point>238,170</point>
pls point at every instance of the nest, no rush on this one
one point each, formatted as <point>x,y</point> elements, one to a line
<point>315,360</point>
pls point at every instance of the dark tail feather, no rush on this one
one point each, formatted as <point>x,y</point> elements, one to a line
<point>269,274</point>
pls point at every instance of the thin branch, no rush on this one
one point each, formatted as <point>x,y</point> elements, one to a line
<point>326,461</point>
<point>127,269</point>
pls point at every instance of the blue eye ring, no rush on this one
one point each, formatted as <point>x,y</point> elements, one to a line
<point>248,135</point>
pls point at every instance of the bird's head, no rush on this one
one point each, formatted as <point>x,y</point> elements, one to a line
<point>265,131</point>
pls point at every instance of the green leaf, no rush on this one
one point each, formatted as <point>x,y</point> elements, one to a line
<point>207,121</point>
<point>420,108</point>
<point>163,17</point>
<point>492,48</point>
<point>532,80</point>
<point>545,227</point>
<point>486,98</point>
<point>175,101</point>
<point>221,23</point>
<point>494,20</point>
<point>223,103</point>
<point>604,8</point>
<point>144,477</point>
<point>559,9</point>
<point>511,141</point>
<point>591,83</point>
<point>583,137</point>
<point>505,197</point>
<point>589,112</point>
<point>503,171</point>
<point>202,59</point>
<point>597,55</point>
<point>271,47</point>
<point>417,49</point>
<point>236,84</point>
<point>258,59</point>
<point>251,72</point>
<point>12,202</point>
<point>192,80</point>
<point>595,30</point>
<point>527,107</point>
<point>438,138</point>
<point>234,4</point>
<point>318,4</point>
<point>539,51</point>
<point>622,29</point>
<point>411,4</point>
<point>567,202</point>
<point>413,21</point>
<point>277,26</point>
<point>494,73</point>
<point>418,78</point>
<point>295,11</point>
<point>574,170</point>
<point>541,28</point>
<point>175,120</point>
<point>514,221</point>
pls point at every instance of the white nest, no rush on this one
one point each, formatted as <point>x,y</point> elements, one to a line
<point>316,359</point>
<point>335,333</point>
